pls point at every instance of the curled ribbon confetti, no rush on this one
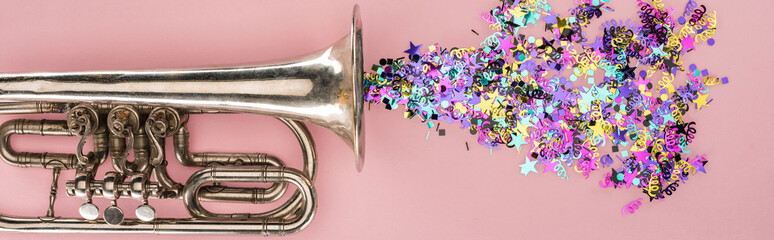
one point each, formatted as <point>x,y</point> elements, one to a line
<point>516,90</point>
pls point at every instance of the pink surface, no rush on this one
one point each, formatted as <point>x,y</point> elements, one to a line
<point>410,187</point>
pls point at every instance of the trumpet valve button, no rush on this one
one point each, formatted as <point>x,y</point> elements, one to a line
<point>145,213</point>
<point>114,215</point>
<point>89,211</point>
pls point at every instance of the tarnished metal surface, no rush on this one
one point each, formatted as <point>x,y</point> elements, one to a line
<point>134,111</point>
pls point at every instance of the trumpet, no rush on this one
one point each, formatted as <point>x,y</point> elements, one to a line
<point>127,112</point>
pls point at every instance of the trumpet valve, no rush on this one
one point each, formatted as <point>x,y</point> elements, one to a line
<point>81,186</point>
<point>137,187</point>
<point>111,186</point>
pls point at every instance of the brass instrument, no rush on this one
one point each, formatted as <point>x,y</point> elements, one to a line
<point>125,111</point>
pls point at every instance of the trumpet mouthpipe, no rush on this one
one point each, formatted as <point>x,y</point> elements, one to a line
<point>34,107</point>
<point>31,107</point>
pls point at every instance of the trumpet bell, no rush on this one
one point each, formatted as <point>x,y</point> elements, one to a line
<point>323,88</point>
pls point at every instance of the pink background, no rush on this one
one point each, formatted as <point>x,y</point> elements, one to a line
<point>410,187</point>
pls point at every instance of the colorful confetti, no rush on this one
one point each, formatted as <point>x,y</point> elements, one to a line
<point>631,207</point>
<point>566,95</point>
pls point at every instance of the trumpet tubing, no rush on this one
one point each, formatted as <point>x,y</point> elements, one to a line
<point>126,112</point>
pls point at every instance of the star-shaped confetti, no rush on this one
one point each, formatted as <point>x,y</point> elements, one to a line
<point>688,43</point>
<point>413,50</point>
<point>528,166</point>
<point>505,44</point>
<point>518,141</point>
<point>701,101</point>
<point>566,94</point>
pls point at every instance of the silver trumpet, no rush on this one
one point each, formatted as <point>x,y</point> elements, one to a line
<point>125,111</point>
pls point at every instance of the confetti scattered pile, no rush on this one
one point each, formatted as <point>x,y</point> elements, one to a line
<point>518,90</point>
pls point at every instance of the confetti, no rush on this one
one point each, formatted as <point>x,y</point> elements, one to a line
<point>566,96</point>
<point>528,166</point>
<point>631,207</point>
